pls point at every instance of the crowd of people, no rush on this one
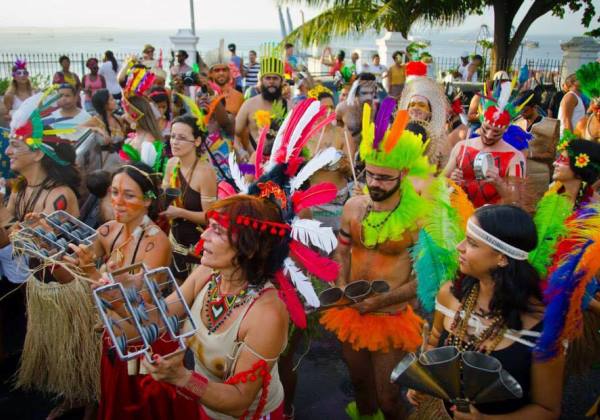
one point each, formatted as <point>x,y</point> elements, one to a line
<point>266,191</point>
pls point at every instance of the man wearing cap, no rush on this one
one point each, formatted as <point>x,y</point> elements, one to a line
<point>180,66</point>
<point>148,56</point>
<point>271,89</point>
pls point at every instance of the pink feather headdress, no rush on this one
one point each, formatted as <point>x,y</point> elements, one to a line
<point>281,181</point>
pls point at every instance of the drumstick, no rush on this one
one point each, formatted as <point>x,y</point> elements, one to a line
<point>463,119</point>
<point>350,157</point>
<point>320,137</point>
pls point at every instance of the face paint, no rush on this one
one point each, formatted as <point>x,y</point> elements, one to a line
<point>126,198</point>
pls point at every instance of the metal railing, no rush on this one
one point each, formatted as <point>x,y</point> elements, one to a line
<point>46,64</point>
<point>547,70</point>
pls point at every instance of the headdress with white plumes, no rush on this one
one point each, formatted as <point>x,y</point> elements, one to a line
<point>498,110</point>
<point>309,242</point>
<point>420,85</point>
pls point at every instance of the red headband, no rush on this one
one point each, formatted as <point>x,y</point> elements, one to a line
<point>274,228</point>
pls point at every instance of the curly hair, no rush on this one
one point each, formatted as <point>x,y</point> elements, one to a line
<point>259,254</point>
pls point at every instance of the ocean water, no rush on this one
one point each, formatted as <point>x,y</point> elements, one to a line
<point>444,42</point>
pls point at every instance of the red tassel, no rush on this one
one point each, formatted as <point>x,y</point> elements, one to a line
<point>288,295</point>
<point>317,265</point>
<point>322,193</point>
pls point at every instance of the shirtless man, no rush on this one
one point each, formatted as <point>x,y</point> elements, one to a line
<point>271,81</point>
<point>375,237</point>
<point>349,112</point>
<point>502,182</point>
<point>220,74</point>
<point>338,174</point>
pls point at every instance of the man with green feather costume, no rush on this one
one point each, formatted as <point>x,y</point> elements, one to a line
<point>377,231</point>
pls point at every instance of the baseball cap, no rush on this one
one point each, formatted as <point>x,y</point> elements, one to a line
<point>148,47</point>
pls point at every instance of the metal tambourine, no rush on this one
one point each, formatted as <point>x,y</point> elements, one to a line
<point>482,164</point>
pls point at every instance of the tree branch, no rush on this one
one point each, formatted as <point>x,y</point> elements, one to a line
<point>538,9</point>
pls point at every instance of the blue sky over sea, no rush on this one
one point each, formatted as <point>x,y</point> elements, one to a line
<point>90,26</point>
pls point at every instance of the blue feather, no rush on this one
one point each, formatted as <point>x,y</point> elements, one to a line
<point>517,137</point>
<point>561,285</point>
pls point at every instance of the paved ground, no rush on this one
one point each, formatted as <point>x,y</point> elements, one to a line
<point>323,387</point>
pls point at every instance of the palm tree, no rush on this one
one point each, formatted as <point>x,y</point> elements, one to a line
<point>348,17</point>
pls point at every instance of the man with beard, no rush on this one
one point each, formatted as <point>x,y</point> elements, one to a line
<point>376,233</point>
<point>500,180</point>
<point>271,82</point>
<point>219,73</point>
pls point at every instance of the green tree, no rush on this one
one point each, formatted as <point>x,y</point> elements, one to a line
<point>348,17</point>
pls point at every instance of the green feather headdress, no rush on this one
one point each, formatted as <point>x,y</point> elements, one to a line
<point>588,77</point>
<point>398,149</point>
<point>27,125</point>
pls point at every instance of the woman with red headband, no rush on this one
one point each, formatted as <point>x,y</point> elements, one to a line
<point>242,324</point>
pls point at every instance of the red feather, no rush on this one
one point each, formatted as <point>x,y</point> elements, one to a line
<point>297,114</point>
<point>308,131</point>
<point>317,265</point>
<point>225,190</point>
<point>322,193</point>
<point>288,295</point>
<point>293,166</point>
<point>260,148</point>
<point>329,119</point>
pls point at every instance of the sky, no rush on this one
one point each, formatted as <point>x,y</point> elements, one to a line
<point>210,14</point>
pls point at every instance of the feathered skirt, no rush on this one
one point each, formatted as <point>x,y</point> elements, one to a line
<point>375,331</point>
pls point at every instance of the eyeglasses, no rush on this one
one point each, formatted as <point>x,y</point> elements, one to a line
<point>382,178</point>
<point>21,72</point>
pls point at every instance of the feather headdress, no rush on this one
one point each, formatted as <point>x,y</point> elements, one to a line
<point>27,124</point>
<point>568,281</point>
<point>281,181</point>
<point>139,81</point>
<point>588,77</point>
<point>498,110</point>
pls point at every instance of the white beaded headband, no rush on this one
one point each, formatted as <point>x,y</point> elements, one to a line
<point>497,244</point>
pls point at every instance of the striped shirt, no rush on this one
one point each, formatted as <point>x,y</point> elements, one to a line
<point>252,71</point>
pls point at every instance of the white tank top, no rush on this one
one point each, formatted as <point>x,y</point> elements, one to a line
<point>219,352</point>
<point>578,112</point>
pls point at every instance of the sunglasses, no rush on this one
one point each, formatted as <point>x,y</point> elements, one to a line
<point>21,73</point>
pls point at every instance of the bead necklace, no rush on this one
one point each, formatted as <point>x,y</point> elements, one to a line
<point>376,226</point>
<point>219,307</point>
<point>464,341</point>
